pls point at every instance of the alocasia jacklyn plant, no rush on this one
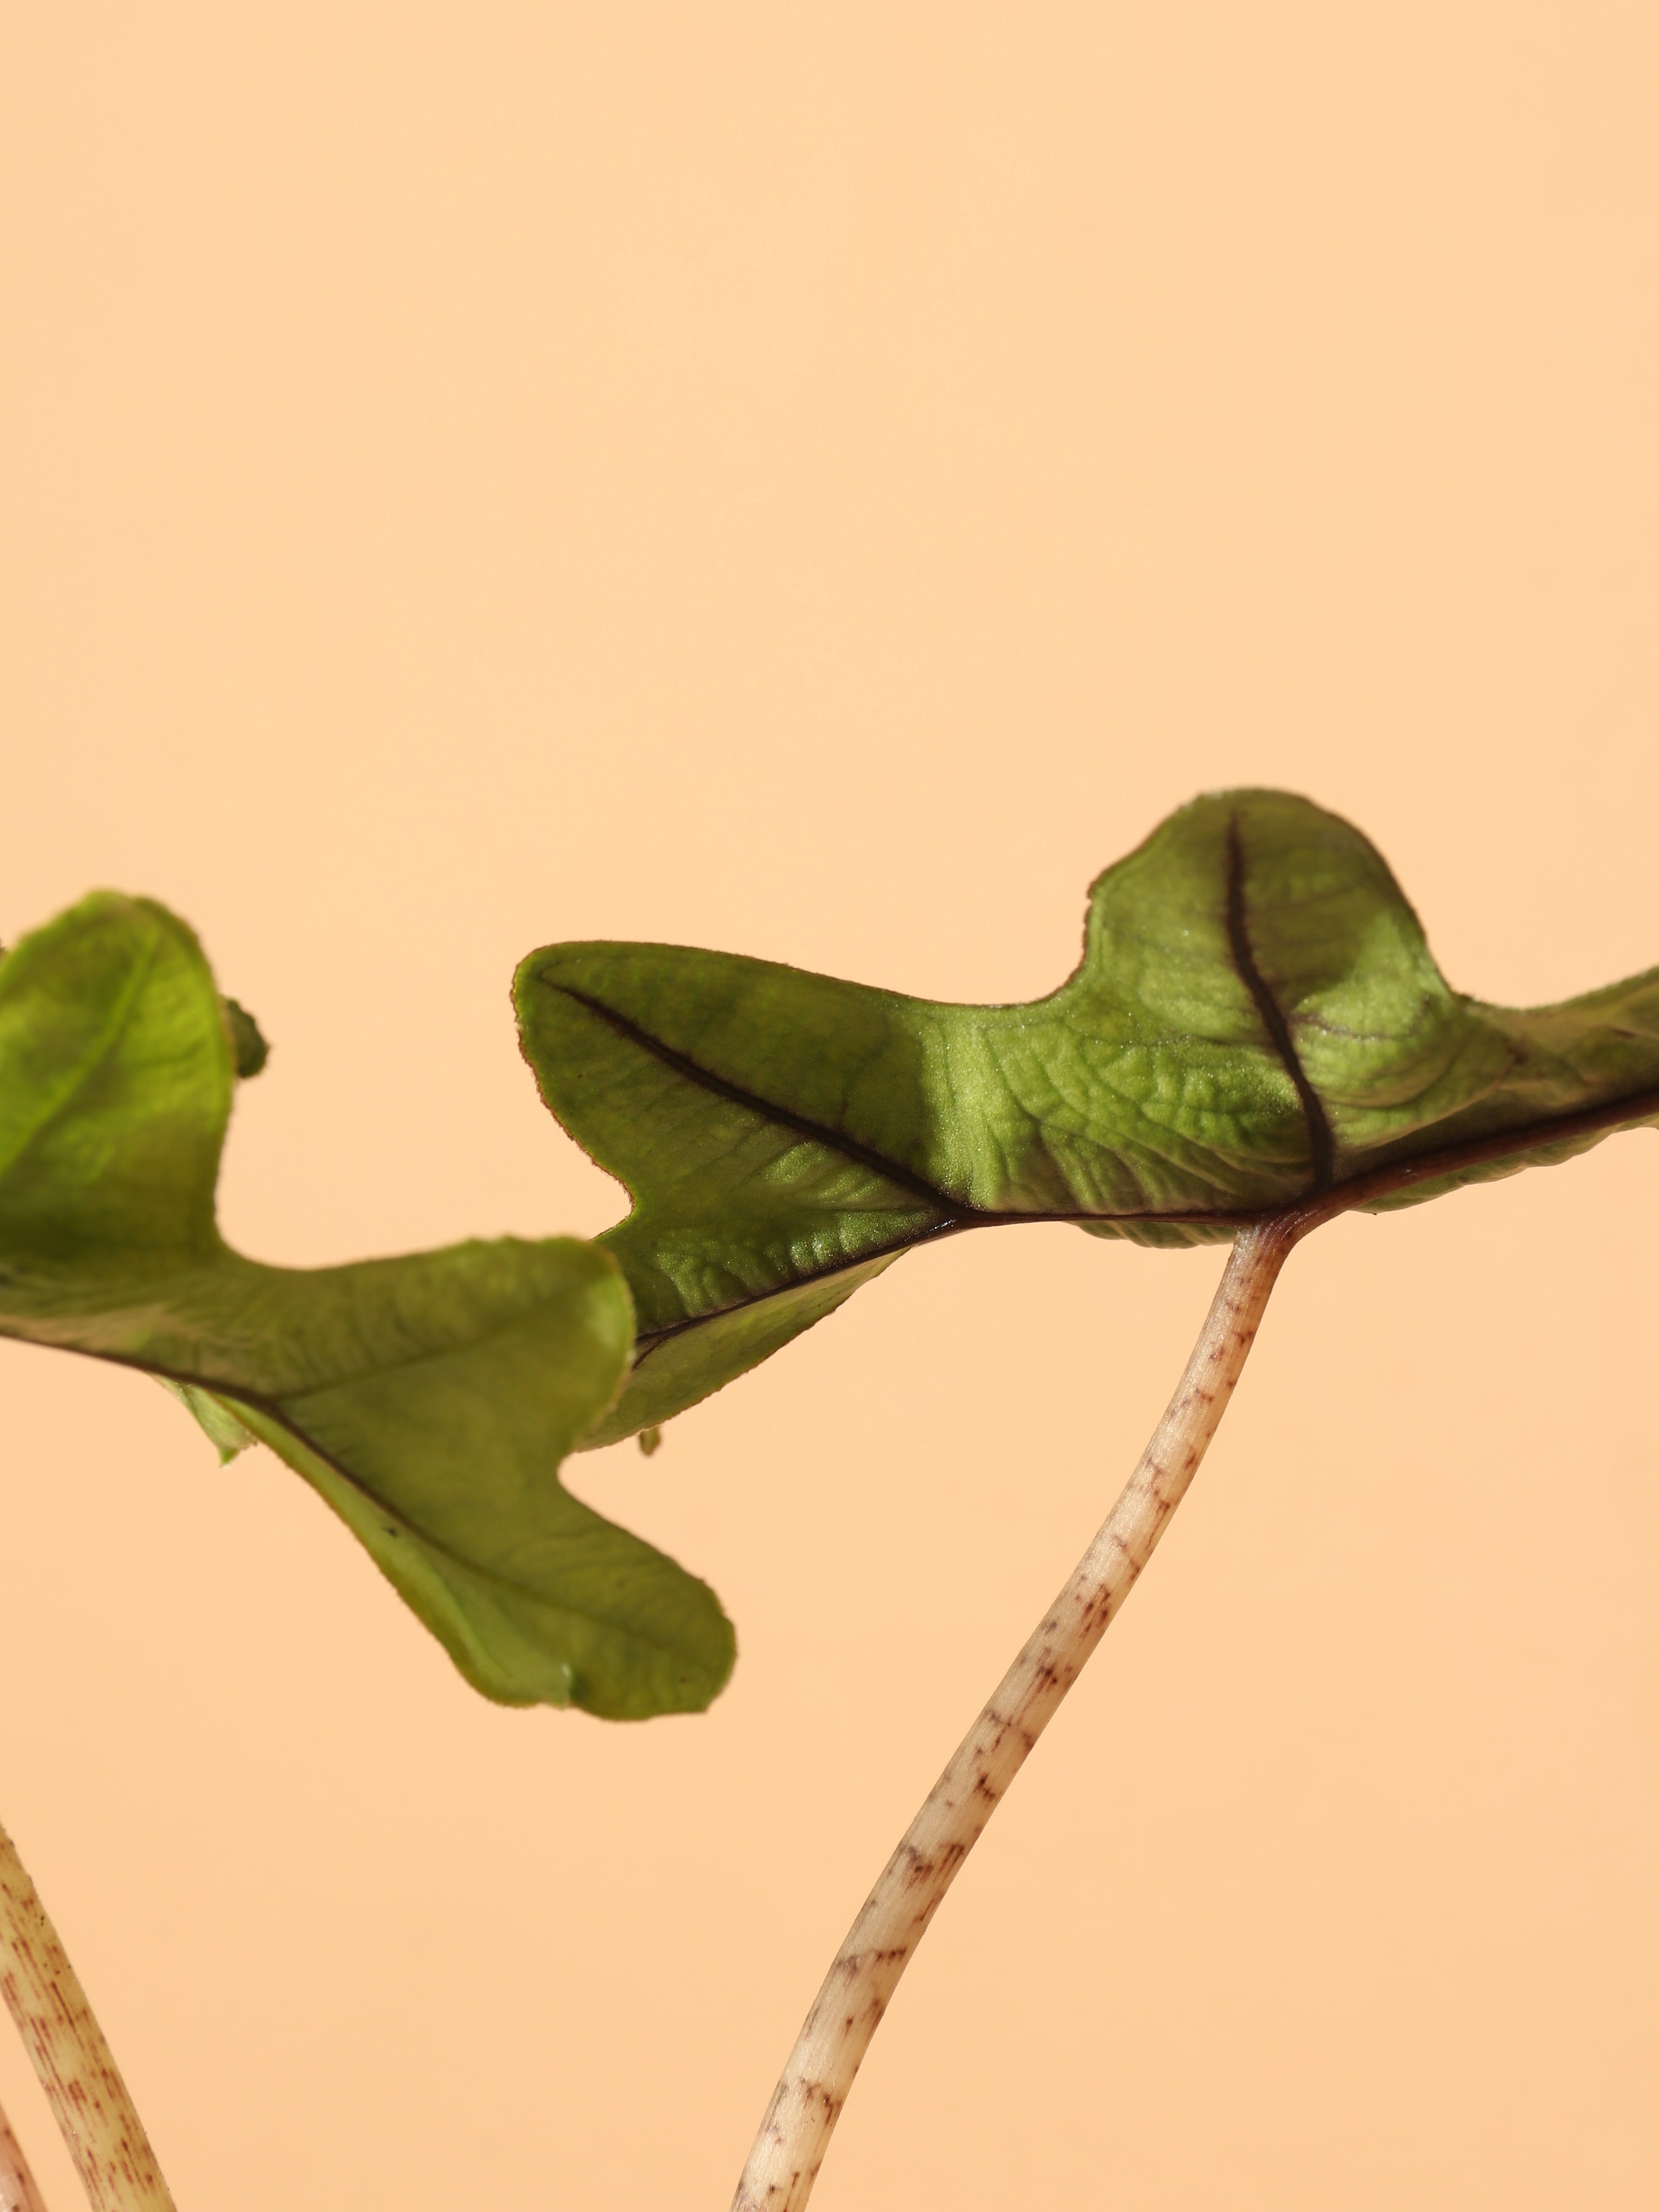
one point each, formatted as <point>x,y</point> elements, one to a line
<point>1256,1039</point>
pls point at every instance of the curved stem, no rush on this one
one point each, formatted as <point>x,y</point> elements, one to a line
<point>17,2191</point>
<point>807,2101</point>
<point>83,2085</point>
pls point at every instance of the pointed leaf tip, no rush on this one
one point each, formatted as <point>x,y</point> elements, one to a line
<point>248,1047</point>
<point>217,1423</point>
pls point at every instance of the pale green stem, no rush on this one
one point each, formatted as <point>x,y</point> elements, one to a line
<point>807,2102</point>
<point>17,2191</point>
<point>83,2085</point>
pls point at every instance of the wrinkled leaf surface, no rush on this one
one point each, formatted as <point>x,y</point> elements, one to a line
<point>1256,1018</point>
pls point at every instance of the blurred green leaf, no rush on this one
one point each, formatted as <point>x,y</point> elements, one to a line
<point>429,1399</point>
<point>248,1049</point>
<point>1256,1020</point>
<point>214,1417</point>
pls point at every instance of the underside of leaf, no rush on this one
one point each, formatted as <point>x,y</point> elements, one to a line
<point>1256,1023</point>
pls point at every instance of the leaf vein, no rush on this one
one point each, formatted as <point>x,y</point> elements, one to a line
<point>1321,1144</point>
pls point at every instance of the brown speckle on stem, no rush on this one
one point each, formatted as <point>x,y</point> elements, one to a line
<point>18,2190</point>
<point>814,2085</point>
<point>83,2084</point>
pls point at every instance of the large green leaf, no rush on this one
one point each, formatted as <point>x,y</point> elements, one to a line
<point>1257,1020</point>
<point>429,1399</point>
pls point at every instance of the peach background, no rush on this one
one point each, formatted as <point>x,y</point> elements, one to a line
<point>821,481</point>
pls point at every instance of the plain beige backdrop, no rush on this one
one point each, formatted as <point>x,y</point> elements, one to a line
<point>821,481</point>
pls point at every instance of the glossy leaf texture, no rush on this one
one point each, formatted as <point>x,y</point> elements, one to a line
<point>428,1399</point>
<point>1256,1020</point>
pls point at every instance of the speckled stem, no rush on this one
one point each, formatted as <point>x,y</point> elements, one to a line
<point>17,2191</point>
<point>83,2085</point>
<point>807,2102</point>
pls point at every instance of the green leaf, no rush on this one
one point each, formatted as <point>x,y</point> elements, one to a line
<point>214,1417</point>
<point>249,1051</point>
<point>1256,1021</point>
<point>429,1399</point>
